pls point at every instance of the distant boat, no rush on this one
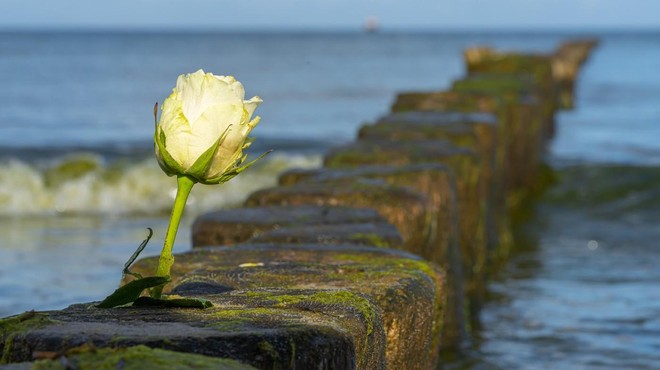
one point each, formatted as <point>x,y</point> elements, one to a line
<point>371,24</point>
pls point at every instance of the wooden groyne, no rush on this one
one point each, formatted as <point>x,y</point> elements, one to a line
<point>377,260</point>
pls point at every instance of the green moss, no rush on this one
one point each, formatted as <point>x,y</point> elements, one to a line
<point>293,351</point>
<point>235,319</point>
<point>425,269</point>
<point>373,239</point>
<point>351,157</point>
<point>348,299</point>
<point>383,277</point>
<point>409,101</point>
<point>340,298</point>
<point>268,348</point>
<point>390,267</point>
<point>493,83</point>
<point>449,101</point>
<point>138,357</point>
<point>462,135</point>
<point>279,307</point>
<point>402,153</point>
<point>535,66</point>
<point>11,326</point>
<point>407,265</point>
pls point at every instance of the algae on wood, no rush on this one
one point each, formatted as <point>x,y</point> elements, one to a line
<point>566,63</point>
<point>381,234</point>
<point>477,131</point>
<point>134,358</point>
<point>264,328</point>
<point>409,292</point>
<point>442,244</point>
<point>514,112</point>
<point>405,208</point>
<point>536,67</point>
<point>473,194</point>
<point>273,223</point>
<point>527,114</point>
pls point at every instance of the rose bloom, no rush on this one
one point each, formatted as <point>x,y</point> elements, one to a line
<point>204,127</point>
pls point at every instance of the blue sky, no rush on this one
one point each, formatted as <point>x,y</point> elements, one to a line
<point>329,14</point>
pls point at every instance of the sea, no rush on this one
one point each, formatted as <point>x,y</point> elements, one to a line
<point>79,185</point>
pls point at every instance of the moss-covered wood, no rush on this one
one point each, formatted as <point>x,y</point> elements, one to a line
<point>435,181</point>
<point>517,87</point>
<point>477,131</point>
<point>566,63</point>
<point>579,49</point>
<point>410,293</point>
<point>536,66</point>
<point>523,110</point>
<point>87,357</point>
<point>480,132</point>
<point>408,210</point>
<point>472,190</point>
<point>376,234</point>
<point>442,243</point>
<point>11,326</point>
<point>513,137</point>
<point>268,329</point>
<point>448,101</point>
<point>511,141</point>
<point>232,226</point>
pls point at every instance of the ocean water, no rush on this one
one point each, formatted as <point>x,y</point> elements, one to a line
<point>79,184</point>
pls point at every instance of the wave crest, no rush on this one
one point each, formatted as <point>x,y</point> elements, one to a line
<point>83,184</point>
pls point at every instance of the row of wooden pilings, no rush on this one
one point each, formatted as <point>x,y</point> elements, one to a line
<point>377,260</point>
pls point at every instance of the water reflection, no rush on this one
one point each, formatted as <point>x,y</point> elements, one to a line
<point>50,262</point>
<point>582,290</point>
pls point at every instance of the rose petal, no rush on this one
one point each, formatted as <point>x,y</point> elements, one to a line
<point>211,125</point>
<point>198,91</point>
<point>252,104</point>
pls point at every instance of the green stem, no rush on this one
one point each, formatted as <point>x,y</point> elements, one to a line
<point>166,260</point>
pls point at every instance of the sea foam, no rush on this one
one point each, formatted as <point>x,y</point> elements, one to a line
<point>84,183</point>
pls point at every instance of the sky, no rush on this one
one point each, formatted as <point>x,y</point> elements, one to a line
<point>329,14</point>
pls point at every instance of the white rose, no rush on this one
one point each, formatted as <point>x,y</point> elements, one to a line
<point>204,127</point>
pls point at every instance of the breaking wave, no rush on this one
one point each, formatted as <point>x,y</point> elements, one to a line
<point>87,183</point>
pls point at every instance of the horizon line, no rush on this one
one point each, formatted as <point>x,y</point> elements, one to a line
<point>347,30</point>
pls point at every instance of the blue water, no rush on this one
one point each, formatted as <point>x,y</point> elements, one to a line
<point>581,291</point>
<point>100,88</point>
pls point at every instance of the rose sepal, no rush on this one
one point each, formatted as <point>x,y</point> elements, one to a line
<point>202,164</point>
<point>238,168</point>
<point>168,164</point>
